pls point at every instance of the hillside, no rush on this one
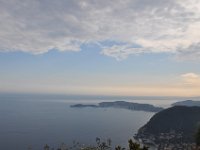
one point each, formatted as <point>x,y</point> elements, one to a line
<point>124,105</point>
<point>187,103</point>
<point>180,119</point>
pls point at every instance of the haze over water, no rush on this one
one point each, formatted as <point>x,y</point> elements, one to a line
<point>33,121</point>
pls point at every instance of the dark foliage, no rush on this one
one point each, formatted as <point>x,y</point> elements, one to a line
<point>100,146</point>
<point>136,146</point>
<point>180,119</point>
<point>123,105</point>
<point>197,138</point>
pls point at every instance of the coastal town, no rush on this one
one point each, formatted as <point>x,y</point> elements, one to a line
<point>166,141</point>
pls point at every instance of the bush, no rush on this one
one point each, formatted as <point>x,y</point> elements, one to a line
<point>198,137</point>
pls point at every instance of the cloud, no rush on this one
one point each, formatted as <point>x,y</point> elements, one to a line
<point>122,51</point>
<point>191,79</point>
<point>190,53</point>
<point>156,26</point>
<point>190,76</point>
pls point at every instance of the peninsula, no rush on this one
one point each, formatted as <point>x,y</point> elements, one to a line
<point>123,105</point>
<point>172,128</point>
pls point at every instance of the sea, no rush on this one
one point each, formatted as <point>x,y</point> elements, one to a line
<point>33,121</point>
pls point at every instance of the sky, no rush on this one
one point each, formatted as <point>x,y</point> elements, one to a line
<point>100,47</point>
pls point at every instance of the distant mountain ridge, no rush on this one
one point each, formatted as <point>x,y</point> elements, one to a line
<point>187,103</point>
<point>180,119</point>
<point>124,105</point>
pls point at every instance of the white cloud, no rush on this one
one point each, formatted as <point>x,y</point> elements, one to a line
<point>190,76</point>
<point>191,79</point>
<point>38,26</point>
<point>122,51</point>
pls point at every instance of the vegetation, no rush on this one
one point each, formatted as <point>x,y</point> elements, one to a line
<point>197,138</point>
<point>100,145</point>
<point>124,105</point>
<point>132,146</point>
<point>188,103</point>
<point>136,146</point>
<point>180,119</point>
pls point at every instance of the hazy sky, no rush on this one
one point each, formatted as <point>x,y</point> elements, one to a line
<point>109,47</point>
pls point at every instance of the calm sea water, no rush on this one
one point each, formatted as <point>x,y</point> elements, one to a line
<point>37,122</point>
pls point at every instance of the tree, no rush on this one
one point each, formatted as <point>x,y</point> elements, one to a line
<point>135,146</point>
<point>46,147</point>
<point>198,137</point>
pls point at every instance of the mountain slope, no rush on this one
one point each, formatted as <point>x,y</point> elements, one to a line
<point>187,103</point>
<point>180,119</point>
<point>124,105</point>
